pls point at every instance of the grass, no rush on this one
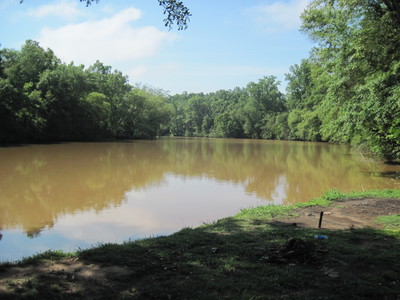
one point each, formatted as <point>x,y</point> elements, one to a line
<point>238,257</point>
<point>391,222</point>
<point>46,256</point>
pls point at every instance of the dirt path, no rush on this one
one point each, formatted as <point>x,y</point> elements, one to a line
<point>349,213</point>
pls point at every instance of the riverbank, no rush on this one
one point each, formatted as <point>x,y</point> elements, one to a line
<point>267,252</point>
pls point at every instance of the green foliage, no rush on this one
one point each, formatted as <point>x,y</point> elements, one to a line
<point>299,88</point>
<point>176,12</point>
<point>8,108</point>
<point>26,65</point>
<point>197,121</point>
<point>1,64</point>
<point>275,127</point>
<point>257,111</point>
<point>98,111</point>
<point>348,90</point>
<point>44,99</point>
<point>266,95</point>
<point>304,125</point>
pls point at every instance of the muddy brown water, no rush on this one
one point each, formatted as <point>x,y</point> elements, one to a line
<point>76,195</point>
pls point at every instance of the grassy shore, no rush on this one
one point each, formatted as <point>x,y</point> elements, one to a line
<point>245,256</point>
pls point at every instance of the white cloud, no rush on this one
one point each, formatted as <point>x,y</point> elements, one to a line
<point>62,9</point>
<point>137,72</point>
<point>279,15</point>
<point>109,40</point>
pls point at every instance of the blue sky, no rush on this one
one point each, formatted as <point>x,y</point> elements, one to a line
<point>228,43</point>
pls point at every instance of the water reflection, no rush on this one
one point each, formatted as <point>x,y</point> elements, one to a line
<point>110,191</point>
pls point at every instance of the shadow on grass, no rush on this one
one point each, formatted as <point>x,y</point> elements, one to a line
<point>231,259</point>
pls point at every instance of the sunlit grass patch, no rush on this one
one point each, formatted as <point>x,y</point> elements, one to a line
<point>391,222</point>
<point>371,193</point>
<point>50,255</point>
<point>266,212</point>
<point>333,195</point>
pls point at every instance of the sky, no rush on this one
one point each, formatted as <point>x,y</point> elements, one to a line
<point>228,43</point>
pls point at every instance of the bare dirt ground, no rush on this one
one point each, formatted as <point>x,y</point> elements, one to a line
<point>349,213</point>
<point>71,275</point>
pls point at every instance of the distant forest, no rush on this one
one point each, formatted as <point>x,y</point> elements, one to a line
<point>346,91</point>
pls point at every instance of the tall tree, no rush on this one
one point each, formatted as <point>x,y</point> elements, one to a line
<point>358,55</point>
<point>28,64</point>
<point>21,104</point>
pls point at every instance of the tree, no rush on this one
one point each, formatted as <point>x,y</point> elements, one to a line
<point>64,90</point>
<point>198,112</point>
<point>265,100</point>
<point>8,121</point>
<point>266,94</point>
<point>97,111</point>
<point>357,59</point>
<point>21,105</point>
<point>299,89</point>
<point>44,99</point>
<point>1,64</point>
<point>227,113</point>
<point>28,64</point>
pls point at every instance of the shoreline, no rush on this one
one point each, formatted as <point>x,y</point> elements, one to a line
<point>266,248</point>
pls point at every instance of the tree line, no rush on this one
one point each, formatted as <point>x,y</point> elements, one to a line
<point>43,99</point>
<point>346,91</point>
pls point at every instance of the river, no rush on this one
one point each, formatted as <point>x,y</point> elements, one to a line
<point>75,195</point>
